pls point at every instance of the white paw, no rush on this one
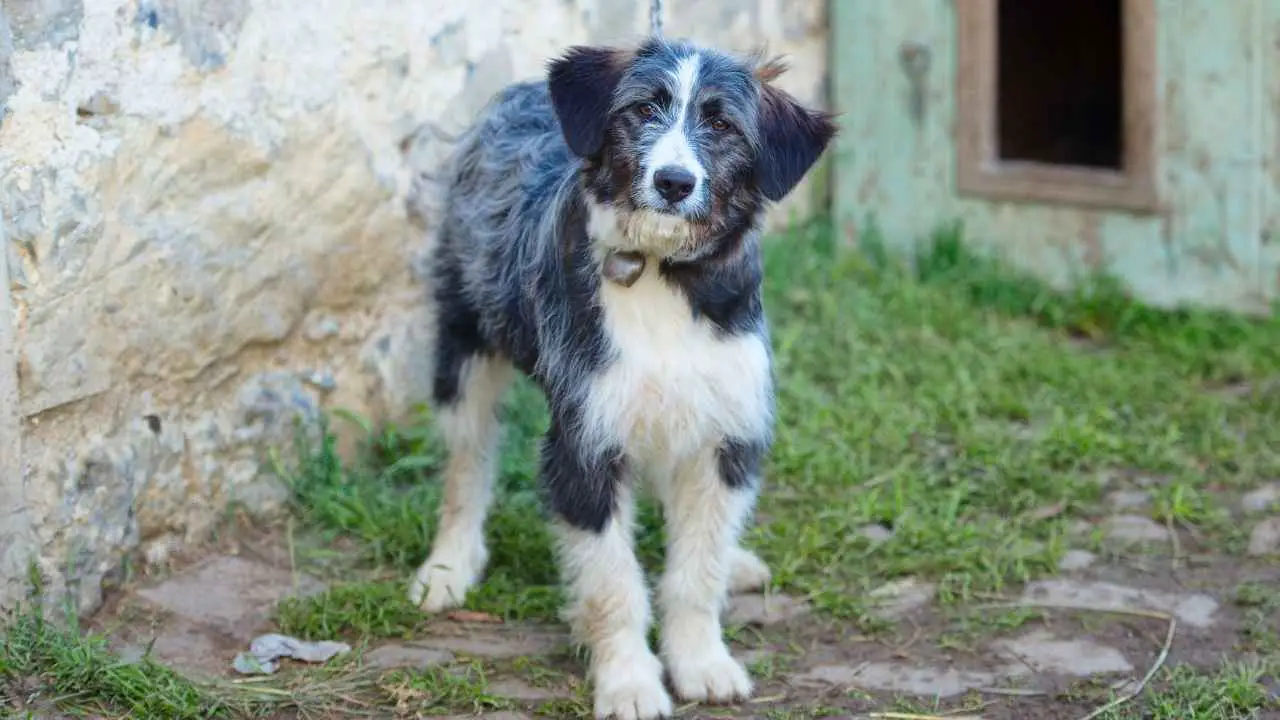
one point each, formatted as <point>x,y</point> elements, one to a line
<point>631,689</point>
<point>711,675</point>
<point>747,572</point>
<point>444,579</point>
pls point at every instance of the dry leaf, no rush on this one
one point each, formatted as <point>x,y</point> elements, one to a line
<point>473,616</point>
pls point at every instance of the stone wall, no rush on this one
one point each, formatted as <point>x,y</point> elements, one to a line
<point>209,230</point>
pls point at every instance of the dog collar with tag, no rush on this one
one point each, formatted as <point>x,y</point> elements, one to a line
<point>623,267</point>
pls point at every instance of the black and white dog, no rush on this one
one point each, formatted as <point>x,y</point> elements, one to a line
<point>671,153</point>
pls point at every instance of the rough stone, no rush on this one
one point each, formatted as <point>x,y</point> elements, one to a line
<point>1046,653</point>
<point>900,678</point>
<point>521,691</point>
<point>1128,499</point>
<point>206,31</point>
<point>901,597</point>
<point>500,644</point>
<point>43,22</point>
<point>1265,538</point>
<point>398,655</point>
<point>1073,560</point>
<point>1262,499</point>
<point>183,645</point>
<point>234,595</point>
<point>876,534</point>
<point>7,83</point>
<point>1192,609</point>
<point>204,200</point>
<point>1134,529</point>
<point>765,610</point>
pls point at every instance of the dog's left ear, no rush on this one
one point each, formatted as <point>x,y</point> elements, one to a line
<point>792,137</point>
<point>582,82</point>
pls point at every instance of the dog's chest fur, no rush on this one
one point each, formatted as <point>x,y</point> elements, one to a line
<point>675,385</point>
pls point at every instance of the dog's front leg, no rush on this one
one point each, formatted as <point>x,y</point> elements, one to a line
<point>608,610</point>
<point>709,500</point>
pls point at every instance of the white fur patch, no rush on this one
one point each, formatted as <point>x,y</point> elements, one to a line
<point>609,613</point>
<point>675,387</point>
<point>675,147</point>
<point>471,431</point>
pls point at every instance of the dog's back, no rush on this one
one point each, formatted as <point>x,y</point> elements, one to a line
<point>511,182</point>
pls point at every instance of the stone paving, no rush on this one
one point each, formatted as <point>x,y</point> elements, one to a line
<point>200,617</point>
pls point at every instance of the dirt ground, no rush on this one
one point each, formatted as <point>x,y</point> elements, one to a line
<point>1058,648</point>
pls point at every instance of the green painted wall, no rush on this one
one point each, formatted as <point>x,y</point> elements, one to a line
<point>1216,239</point>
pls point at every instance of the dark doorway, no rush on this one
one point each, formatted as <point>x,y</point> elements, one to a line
<point>1059,86</point>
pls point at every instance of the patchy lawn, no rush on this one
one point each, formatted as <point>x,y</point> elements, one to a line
<point>951,427</point>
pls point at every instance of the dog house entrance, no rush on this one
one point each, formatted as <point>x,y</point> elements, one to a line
<point>1055,101</point>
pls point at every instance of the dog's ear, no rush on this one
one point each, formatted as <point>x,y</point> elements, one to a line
<point>792,137</point>
<point>582,82</point>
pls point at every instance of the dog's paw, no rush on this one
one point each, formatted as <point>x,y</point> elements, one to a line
<point>747,572</point>
<point>632,689</point>
<point>711,675</point>
<point>444,579</point>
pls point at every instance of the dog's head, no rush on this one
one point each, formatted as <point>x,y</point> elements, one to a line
<point>683,144</point>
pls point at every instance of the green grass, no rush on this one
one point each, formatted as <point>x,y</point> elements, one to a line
<point>970,410</point>
<point>43,664</point>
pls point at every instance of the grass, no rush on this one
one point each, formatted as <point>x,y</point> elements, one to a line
<point>972,412</point>
<point>969,410</point>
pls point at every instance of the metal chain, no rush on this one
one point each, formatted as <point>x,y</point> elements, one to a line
<point>655,18</point>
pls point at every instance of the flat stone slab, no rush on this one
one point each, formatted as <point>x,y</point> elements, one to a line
<point>901,597</point>
<point>1134,529</point>
<point>230,593</point>
<point>901,678</point>
<point>1073,560</point>
<point>1193,609</point>
<point>1261,499</point>
<point>521,691</point>
<point>406,655</point>
<point>765,610</point>
<point>499,644</point>
<point>1265,538</point>
<point>1081,658</point>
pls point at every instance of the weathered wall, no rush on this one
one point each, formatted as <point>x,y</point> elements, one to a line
<point>1215,238</point>
<point>208,231</point>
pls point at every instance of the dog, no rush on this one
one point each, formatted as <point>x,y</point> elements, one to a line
<point>668,152</point>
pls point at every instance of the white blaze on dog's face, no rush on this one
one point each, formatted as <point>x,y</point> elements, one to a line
<point>674,180</point>
<point>682,145</point>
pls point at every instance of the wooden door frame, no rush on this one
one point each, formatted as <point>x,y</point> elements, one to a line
<point>980,171</point>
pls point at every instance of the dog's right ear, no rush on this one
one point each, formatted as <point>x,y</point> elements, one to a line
<point>582,82</point>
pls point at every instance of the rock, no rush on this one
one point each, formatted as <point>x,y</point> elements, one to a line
<point>521,691</point>
<point>501,644</point>
<point>1134,529</point>
<point>900,678</point>
<point>1048,654</point>
<point>234,595</point>
<point>1076,560</point>
<point>1193,609</point>
<point>184,645</point>
<point>901,597</point>
<point>1261,499</point>
<point>210,222</point>
<point>876,534</point>
<point>1265,538</point>
<point>765,610</point>
<point>1128,499</point>
<point>398,655</point>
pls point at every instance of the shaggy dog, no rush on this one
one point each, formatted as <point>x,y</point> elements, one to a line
<point>601,235</point>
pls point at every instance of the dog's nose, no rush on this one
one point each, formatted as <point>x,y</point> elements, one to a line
<point>674,183</point>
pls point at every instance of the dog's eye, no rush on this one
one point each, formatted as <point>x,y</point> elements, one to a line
<point>647,110</point>
<point>719,125</point>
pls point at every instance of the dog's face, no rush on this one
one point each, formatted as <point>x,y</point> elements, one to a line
<point>683,137</point>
